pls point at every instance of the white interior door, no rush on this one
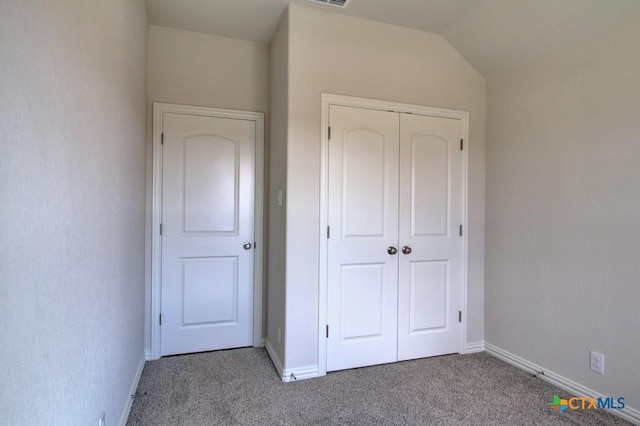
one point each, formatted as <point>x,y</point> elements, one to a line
<point>395,183</point>
<point>363,220</point>
<point>208,184</point>
<point>431,245</point>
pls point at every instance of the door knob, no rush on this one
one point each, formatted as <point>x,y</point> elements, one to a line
<point>247,246</point>
<point>392,250</point>
<point>406,250</point>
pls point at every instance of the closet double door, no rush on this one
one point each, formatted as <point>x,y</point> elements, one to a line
<point>395,250</point>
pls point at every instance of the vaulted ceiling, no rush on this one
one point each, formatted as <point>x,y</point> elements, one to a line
<point>493,35</point>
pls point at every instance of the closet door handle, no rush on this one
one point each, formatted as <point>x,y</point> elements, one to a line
<point>392,250</point>
<point>406,250</point>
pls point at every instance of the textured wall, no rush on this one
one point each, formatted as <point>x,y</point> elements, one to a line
<point>279,60</point>
<point>344,55</point>
<point>205,70</point>
<point>562,271</point>
<point>72,134</point>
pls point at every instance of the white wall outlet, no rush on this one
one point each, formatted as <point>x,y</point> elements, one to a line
<point>101,420</point>
<point>596,362</point>
<point>279,197</point>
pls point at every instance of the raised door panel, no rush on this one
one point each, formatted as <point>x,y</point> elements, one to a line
<point>211,184</point>
<point>429,289</point>
<point>210,291</point>
<point>430,185</point>
<point>362,302</point>
<point>363,194</point>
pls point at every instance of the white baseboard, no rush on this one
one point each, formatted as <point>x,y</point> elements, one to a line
<point>274,357</point>
<point>630,414</point>
<point>132,391</point>
<point>473,347</point>
<point>290,374</point>
<point>294,374</point>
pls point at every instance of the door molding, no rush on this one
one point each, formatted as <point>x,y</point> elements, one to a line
<point>328,99</point>
<point>156,213</point>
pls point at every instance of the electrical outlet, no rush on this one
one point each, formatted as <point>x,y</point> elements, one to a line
<point>596,362</point>
<point>101,420</point>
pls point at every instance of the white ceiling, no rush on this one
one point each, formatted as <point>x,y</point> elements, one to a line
<point>493,35</point>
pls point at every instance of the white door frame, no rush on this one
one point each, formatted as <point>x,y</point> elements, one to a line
<point>156,212</point>
<point>328,99</point>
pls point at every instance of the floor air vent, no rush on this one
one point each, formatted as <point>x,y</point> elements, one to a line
<point>337,3</point>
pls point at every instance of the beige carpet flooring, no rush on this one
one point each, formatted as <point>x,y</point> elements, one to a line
<point>241,387</point>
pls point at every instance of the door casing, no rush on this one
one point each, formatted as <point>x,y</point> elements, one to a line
<point>156,209</point>
<point>328,99</point>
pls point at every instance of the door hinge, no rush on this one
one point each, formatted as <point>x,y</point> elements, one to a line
<point>160,229</point>
<point>328,232</point>
<point>461,144</point>
<point>161,138</point>
<point>327,331</point>
<point>459,316</point>
<point>461,230</point>
<point>329,134</point>
<point>160,319</point>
